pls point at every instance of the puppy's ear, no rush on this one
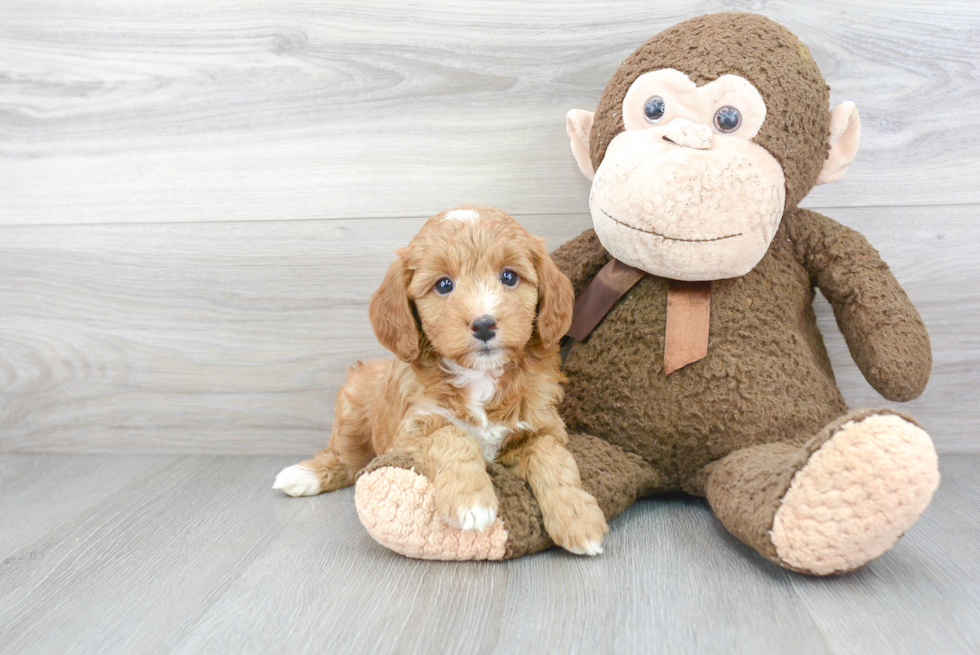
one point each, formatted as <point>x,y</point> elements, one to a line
<point>555,299</point>
<point>391,313</point>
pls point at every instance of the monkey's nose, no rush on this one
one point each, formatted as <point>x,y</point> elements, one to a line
<point>484,328</point>
<point>688,134</point>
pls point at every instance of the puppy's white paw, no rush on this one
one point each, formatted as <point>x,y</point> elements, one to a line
<point>476,517</point>
<point>298,481</point>
<point>592,548</point>
<point>575,522</point>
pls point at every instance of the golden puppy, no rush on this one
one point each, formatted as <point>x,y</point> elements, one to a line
<point>473,308</point>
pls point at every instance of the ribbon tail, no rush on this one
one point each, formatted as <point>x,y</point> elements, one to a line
<point>688,321</point>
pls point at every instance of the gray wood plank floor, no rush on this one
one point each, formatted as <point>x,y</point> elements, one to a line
<point>161,554</point>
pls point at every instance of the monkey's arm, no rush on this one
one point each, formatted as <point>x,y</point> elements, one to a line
<point>883,330</point>
<point>580,259</point>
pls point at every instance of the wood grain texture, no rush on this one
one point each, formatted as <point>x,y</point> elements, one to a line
<point>198,555</point>
<point>234,337</point>
<point>143,566</point>
<point>627,600</point>
<point>39,492</point>
<point>223,337</point>
<point>927,576</point>
<point>113,111</point>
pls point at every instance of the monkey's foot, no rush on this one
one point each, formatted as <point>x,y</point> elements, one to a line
<point>856,495</point>
<point>397,507</point>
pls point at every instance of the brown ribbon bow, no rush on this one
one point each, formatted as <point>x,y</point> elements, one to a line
<point>688,312</point>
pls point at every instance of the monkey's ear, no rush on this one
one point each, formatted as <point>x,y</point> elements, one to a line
<point>578,124</point>
<point>845,134</point>
<point>556,299</point>
<point>391,313</point>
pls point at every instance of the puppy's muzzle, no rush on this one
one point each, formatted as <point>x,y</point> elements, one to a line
<point>484,328</point>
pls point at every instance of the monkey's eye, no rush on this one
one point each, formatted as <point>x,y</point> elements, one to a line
<point>444,286</point>
<point>654,108</point>
<point>508,278</point>
<point>728,119</point>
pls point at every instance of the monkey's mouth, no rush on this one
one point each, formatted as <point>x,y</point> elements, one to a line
<point>664,236</point>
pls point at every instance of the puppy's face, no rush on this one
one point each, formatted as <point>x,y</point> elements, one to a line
<point>481,286</point>
<point>475,287</point>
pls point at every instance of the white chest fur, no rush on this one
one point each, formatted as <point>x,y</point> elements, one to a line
<point>480,387</point>
<point>490,437</point>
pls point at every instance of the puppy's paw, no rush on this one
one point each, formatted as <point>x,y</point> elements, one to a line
<point>474,510</point>
<point>476,518</point>
<point>590,548</point>
<point>298,481</point>
<point>576,523</point>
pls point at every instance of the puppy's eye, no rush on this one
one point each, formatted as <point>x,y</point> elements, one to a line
<point>444,286</point>
<point>508,278</point>
<point>728,119</point>
<point>654,108</point>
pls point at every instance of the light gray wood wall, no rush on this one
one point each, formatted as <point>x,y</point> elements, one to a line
<point>196,199</point>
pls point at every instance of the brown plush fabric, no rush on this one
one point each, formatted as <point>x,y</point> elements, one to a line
<point>884,332</point>
<point>520,513</point>
<point>396,460</point>
<point>751,46</point>
<point>614,477</point>
<point>767,377</point>
<point>607,287</point>
<point>745,489</point>
<point>581,259</point>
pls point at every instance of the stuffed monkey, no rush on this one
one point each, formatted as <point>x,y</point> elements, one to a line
<point>694,359</point>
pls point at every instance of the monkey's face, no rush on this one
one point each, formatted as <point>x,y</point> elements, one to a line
<point>683,192</point>
<point>703,137</point>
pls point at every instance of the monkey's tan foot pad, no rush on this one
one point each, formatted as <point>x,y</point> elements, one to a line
<point>856,495</point>
<point>397,508</point>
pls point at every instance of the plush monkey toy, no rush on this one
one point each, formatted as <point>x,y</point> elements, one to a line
<point>696,363</point>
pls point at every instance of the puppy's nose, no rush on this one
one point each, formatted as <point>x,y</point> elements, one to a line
<point>484,328</point>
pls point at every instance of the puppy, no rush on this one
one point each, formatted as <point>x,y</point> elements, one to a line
<point>473,309</point>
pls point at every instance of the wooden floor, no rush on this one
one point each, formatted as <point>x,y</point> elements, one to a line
<point>196,554</point>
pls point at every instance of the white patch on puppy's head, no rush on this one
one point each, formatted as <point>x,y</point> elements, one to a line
<point>461,215</point>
